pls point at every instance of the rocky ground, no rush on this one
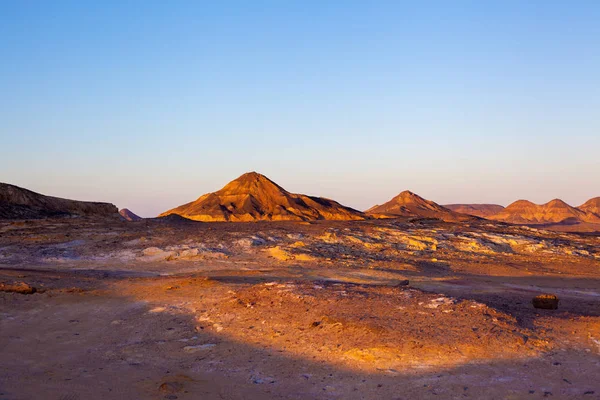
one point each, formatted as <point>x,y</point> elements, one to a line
<point>171,309</point>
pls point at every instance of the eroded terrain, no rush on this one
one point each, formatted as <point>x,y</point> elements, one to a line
<point>176,309</point>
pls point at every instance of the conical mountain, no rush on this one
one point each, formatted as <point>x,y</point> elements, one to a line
<point>19,203</point>
<point>591,206</point>
<point>478,210</point>
<point>129,215</point>
<point>554,212</point>
<point>254,197</point>
<point>409,204</point>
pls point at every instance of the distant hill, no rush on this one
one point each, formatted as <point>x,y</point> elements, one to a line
<point>20,203</point>
<point>128,215</point>
<point>478,210</point>
<point>553,212</point>
<point>591,206</point>
<point>409,204</point>
<point>254,197</point>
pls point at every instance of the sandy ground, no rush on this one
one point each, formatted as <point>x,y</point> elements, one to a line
<point>177,310</point>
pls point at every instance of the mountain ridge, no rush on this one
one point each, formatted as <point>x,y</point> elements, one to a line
<point>481,210</point>
<point>20,203</point>
<point>555,211</point>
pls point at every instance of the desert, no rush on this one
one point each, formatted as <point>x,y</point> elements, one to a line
<point>402,307</point>
<point>299,200</point>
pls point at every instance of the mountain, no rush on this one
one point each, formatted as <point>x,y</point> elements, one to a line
<point>409,204</point>
<point>254,197</point>
<point>19,203</point>
<point>591,206</point>
<point>554,212</point>
<point>478,210</point>
<point>128,215</point>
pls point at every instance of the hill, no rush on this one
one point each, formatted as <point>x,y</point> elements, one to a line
<point>409,204</point>
<point>478,210</point>
<point>554,212</point>
<point>20,203</point>
<point>129,215</point>
<point>591,206</point>
<point>254,197</point>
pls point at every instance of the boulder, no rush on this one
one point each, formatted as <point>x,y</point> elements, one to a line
<point>20,287</point>
<point>546,301</point>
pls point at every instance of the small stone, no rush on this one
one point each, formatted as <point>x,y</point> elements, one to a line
<point>402,283</point>
<point>546,301</point>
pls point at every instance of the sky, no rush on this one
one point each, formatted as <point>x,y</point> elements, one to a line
<point>149,104</point>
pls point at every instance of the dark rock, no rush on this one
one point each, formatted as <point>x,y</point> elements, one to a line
<point>546,301</point>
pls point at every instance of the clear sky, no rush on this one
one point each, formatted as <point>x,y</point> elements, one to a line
<point>149,104</point>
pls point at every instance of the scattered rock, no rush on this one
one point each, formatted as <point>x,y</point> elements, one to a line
<point>402,283</point>
<point>20,287</point>
<point>546,301</point>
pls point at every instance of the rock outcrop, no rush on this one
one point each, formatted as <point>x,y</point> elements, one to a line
<point>19,203</point>
<point>254,197</point>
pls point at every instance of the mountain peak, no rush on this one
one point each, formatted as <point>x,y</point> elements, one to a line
<point>252,183</point>
<point>251,176</point>
<point>557,203</point>
<point>254,197</point>
<point>521,203</point>
<point>129,215</point>
<point>409,204</point>
<point>408,195</point>
<point>591,206</point>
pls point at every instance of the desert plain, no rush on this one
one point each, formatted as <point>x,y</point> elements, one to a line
<point>253,292</point>
<point>396,308</point>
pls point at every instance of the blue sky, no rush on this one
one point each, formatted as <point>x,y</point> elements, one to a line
<point>150,104</point>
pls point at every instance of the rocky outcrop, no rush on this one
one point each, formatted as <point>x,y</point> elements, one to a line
<point>19,203</point>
